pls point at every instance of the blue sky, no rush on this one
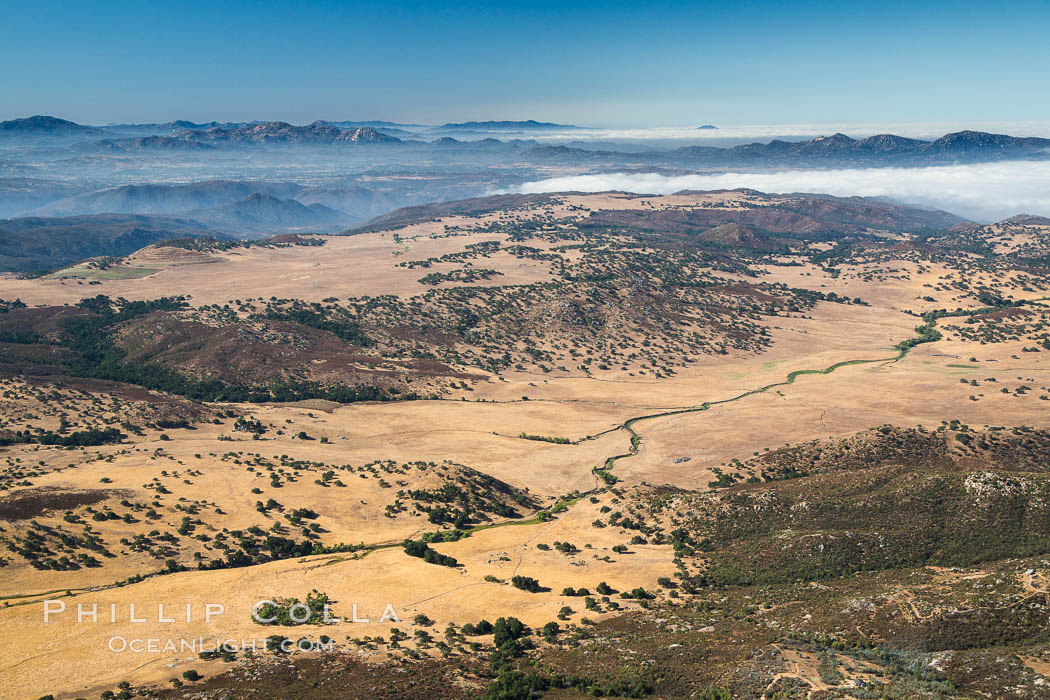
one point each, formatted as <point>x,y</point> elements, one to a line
<point>610,64</point>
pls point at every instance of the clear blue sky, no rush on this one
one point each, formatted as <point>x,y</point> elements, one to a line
<point>615,64</point>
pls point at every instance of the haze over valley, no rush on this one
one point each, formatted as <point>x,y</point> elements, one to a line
<point>253,179</point>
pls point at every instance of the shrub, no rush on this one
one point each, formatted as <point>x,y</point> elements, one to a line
<point>483,627</point>
<point>280,611</point>
<point>507,629</point>
<point>415,548</point>
<point>511,685</point>
<point>526,583</point>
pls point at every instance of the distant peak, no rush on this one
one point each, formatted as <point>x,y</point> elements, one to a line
<point>43,123</point>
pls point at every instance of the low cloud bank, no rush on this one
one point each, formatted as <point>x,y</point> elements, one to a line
<point>985,192</point>
<point>745,133</point>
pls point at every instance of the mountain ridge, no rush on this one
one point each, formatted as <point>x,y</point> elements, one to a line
<point>507,124</point>
<point>836,149</point>
<point>263,133</point>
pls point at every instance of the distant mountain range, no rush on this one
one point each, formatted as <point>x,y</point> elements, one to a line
<point>164,199</point>
<point>474,138</point>
<point>318,133</point>
<point>226,205</point>
<point>376,123</point>
<point>170,127</point>
<point>259,131</point>
<point>530,124</point>
<point>183,135</point>
<point>353,203</point>
<point>282,132</point>
<point>837,150</point>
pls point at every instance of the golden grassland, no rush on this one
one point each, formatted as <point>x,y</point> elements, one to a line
<point>204,466</point>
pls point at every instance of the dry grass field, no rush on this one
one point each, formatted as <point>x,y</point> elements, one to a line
<point>574,396</point>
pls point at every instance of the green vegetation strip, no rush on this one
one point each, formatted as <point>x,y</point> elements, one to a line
<point>925,333</point>
<point>110,273</point>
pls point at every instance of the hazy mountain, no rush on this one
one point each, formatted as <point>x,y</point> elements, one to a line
<point>37,126</point>
<point>318,133</point>
<point>353,202</point>
<point>397,133</point>
<point>282,132</point>
<point>486,144</point>
<point>574,155</point>
<point>837,150</point>
<point>171,127</point>
<point>164,199</point>
<point>40,243</point>
<point>961,142</point>
<point>149,143</point>
<point>891,149</point>
<point>359,203</point>
<point>507,126</point>
<point>375,123</point>
<point>265,213</point>
<point>22,194</point>
<point>180,124</point>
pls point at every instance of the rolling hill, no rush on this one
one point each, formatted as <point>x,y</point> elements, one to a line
<point>46,243</point>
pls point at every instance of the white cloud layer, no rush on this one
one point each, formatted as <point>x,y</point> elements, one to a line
<point>985,192</point>
<point>764,132</point>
